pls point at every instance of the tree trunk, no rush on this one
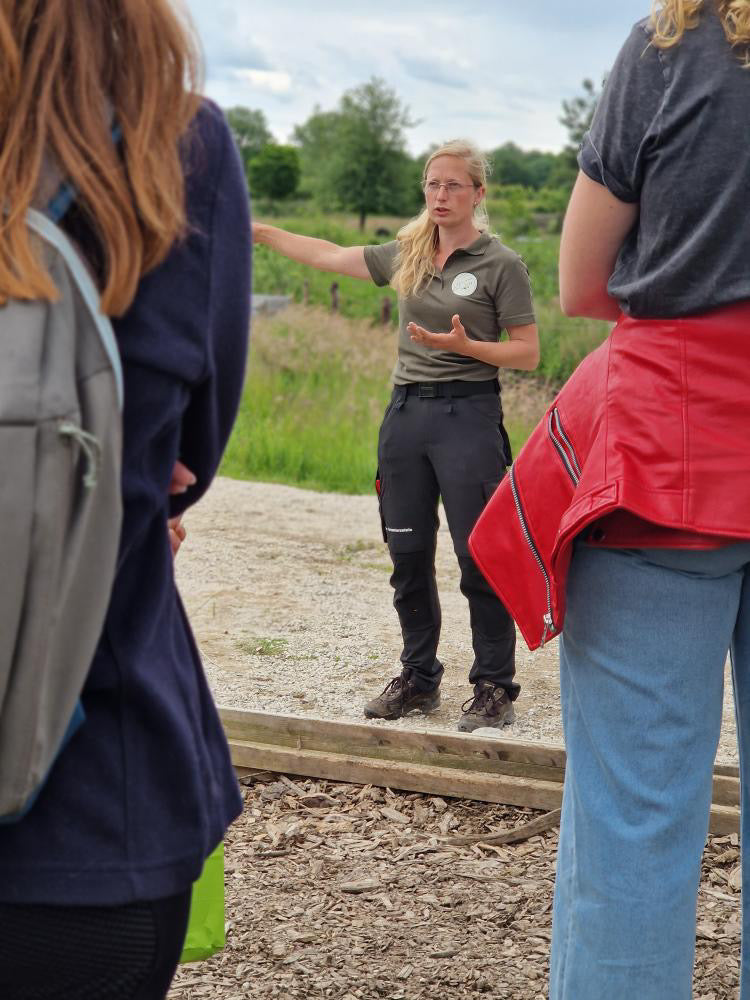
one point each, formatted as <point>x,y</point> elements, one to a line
<point>362,217</point>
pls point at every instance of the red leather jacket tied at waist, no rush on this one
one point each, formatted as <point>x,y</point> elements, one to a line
<point>655,422</point>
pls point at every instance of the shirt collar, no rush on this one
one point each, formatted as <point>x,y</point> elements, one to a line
<point>479,246</point>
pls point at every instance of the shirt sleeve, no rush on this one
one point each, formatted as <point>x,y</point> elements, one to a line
<point>513,299</point>
<point>212,407</point>
<point>379,260</point>
<point>624,128</point>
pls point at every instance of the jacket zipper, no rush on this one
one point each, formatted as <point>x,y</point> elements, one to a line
<point>547,619</point>
<point>563,446</point>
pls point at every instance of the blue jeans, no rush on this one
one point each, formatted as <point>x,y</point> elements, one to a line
<point>642,676</point>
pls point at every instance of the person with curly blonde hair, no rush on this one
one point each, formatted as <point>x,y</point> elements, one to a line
<point>651,570</point>
<point>442,434</point>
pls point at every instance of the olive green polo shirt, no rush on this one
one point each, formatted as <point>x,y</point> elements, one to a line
<point>485,283</point>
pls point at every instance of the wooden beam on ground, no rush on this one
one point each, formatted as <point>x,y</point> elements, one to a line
<point>508,789</point>
<point>462,751</point>
<point>724,820</point>
<point>726,791</point>
<point>462,765</point>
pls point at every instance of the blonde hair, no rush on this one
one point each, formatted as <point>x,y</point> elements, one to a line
<point>66,68</point>
<point>418,239</point>
<point>670,19</point>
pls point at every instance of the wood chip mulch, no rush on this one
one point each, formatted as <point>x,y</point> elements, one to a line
<point>360,893</point>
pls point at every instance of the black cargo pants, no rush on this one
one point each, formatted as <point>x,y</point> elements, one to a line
<point>455,447</point>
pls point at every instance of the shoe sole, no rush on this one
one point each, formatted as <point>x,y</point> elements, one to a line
<point>470,726</point>
<point>424,709</point>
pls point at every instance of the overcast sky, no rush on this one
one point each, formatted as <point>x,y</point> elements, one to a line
<point>492,71</point>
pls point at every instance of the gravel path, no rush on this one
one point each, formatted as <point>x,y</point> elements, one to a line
<point>288,594</point>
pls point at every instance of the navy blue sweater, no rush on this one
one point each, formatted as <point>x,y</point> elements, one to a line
<point>145,789</point>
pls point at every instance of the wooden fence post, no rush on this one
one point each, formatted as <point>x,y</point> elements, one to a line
<point>335,297</point>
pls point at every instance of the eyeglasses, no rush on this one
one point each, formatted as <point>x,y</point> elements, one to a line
<point>451,187</point>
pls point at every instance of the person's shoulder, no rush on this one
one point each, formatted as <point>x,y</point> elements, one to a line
<point>390,247</point>
<point>208,134</point>
<point>210,161</point>
<point>501,252</point>
<point>210,120</point>
<point>637,45</point>
<point>383,251</point>
<point>643,27</point>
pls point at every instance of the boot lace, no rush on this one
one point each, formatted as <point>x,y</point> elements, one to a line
<point>482,701</point>
<point>394,687</point>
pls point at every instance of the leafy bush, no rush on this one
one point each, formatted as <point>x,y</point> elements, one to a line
<point>274,172</point>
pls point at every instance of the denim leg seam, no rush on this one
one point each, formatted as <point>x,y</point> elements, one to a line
<point>565,965</point>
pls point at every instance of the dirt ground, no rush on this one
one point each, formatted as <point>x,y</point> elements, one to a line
<point>349,893</point>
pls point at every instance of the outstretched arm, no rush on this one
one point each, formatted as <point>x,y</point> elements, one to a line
<point>320,254</point>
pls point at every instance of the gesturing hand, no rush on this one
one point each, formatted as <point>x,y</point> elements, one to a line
<point>176,531</point>
<point>455,340</point>
<point>182,479</point>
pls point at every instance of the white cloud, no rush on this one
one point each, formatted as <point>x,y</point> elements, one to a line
<point>263,79</point>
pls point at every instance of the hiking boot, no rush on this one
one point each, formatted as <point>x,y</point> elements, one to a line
<point>399,698</point>
<point>490,707</point>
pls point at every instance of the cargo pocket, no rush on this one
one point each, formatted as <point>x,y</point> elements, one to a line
<point>379,491</point>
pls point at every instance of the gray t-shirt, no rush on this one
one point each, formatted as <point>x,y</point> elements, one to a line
<point>485,283</point>
<point>671,132</point>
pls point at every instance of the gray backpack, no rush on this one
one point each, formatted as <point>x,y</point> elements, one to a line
<point>60,511</point>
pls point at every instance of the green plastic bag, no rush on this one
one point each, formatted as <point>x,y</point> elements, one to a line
<point>205,933</point>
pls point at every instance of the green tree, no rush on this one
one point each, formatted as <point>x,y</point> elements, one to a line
<point>540,166</point>
<point>513,165</point>
<point>250,131</point>
<point>509,165</point>
<point>274,172</point>
<point>357,155</point>
<point>316,141</point>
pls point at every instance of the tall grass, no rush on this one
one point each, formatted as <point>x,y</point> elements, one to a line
<point>316,390</point>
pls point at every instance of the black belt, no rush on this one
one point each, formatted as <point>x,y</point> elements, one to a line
<point>457,387</point>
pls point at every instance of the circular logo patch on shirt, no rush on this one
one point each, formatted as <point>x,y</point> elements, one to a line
<point>464,284</point>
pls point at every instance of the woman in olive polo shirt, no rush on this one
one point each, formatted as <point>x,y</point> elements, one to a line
<point>442,433</point>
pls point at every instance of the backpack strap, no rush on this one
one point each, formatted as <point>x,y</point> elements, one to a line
<point>67,193</point>
<point>52,234</point>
